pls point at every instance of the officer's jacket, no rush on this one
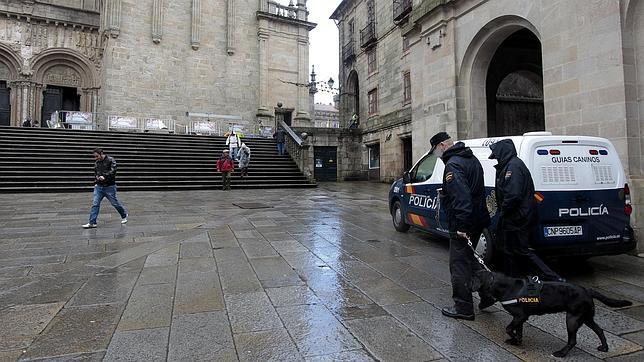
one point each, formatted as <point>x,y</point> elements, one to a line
<point>463,190</point>
<point>514,187</point>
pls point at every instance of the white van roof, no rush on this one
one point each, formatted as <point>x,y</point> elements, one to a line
<point>571,167</point>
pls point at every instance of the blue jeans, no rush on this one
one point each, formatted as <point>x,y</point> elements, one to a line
<point>234,151</point>
<point>280,148</point>
<point>99,193</point>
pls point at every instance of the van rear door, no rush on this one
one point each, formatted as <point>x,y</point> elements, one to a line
<point>580,190</point>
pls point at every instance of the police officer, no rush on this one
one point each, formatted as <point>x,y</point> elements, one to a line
<point>463,198</point>
<point>518,212</point>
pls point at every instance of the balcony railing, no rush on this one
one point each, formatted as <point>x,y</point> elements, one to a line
<point>368,34</point>
<point>401,9</point>
<point>348,51</point>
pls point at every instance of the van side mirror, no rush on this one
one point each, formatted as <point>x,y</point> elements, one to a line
<point>406,177</point>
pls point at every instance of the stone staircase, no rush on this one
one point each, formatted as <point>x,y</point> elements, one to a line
<point>60,160</point>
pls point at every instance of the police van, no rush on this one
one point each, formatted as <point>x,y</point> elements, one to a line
<point>583,199</point>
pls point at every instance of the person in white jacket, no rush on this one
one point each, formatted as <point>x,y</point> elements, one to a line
<point>234,143</point>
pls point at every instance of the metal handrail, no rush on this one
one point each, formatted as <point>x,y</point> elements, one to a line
<point>368,33</point>
<point>291,133</point>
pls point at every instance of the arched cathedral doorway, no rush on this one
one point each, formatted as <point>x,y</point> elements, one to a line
<point>514,86</point>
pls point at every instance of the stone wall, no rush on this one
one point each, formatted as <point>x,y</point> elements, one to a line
<point>165,58</point>
<point>169,77</point>
<point>349,149</point>
<point>391,63</point>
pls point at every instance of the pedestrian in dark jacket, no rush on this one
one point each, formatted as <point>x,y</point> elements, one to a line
<point>463,198</point>
<point>225,165</point>
<point>105,186</point>
<point>280,138</point>
<point>518,220</point>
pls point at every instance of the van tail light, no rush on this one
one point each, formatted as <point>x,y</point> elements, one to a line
<point>628,208</point>
<point>555,152</point>
<point>593,152</point>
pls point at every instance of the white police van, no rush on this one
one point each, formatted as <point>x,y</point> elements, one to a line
<point>584,200</point>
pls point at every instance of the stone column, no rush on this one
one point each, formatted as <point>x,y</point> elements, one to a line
<point>302,118</point>
<point>195,40</point>
<point>89,99</point>
<point>263,5</point>
<point>113,17</point>
<point>302,12</point>
<point>263,112</point>
<point>231,23</point>
<point>157,21</point>
<point>313,89</point>
<point>24,100</point>
<point>37,101</point>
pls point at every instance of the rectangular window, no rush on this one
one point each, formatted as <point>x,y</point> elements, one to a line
<point>351,29</point>
<point>405,44</point>
<point>374,156</point>
<point>372,65</point>
<point>406,87</point>
<point>373,101</point>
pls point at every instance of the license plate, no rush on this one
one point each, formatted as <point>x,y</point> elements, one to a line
<point>550,231</point>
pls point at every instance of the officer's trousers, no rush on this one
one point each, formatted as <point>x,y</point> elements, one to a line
<point>519,256</point>
<point>462,266</point>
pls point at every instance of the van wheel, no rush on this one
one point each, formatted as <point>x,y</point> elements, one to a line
<point>398,218</point>
<point>485,247</point>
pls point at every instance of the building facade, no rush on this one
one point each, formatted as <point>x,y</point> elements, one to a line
<point>485,68</point>
<point>154,58</point>
<point>326,115</point>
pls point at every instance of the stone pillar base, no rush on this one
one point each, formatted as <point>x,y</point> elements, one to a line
<point>637,218</point>
<point>302,119</point>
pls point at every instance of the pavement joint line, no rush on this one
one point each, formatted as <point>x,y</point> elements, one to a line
<point>144,249</point>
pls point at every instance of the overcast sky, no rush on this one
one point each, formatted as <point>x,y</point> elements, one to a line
<point>324,44</point>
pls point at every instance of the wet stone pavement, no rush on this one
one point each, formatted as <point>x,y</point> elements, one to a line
<point>320,276</point>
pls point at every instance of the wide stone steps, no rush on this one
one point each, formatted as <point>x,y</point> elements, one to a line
<point>47,160</point>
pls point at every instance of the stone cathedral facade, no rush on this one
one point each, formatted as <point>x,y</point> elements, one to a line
<point>154,58</point>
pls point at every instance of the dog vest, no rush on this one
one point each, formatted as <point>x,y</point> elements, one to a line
<point>530,293</point>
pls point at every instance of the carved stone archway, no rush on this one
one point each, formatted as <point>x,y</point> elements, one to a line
<point>10,66</point>
<point>66,68</point>
<point>471,89</point>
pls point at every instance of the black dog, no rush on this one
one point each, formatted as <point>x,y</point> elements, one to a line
<point>523,298</point>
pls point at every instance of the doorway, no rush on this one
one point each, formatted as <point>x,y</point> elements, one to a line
<point>514,86</point>
<point>5,104</point>
<point>407,154</point>
<point>58,99</point>
<point>326,163</point>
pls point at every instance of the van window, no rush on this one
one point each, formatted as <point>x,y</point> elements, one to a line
<point>424,169</point>
<point>583,166</point>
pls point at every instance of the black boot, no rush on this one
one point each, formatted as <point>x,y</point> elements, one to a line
<point>453,313</point>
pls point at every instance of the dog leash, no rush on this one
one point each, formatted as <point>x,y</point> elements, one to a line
<point>476,255</point>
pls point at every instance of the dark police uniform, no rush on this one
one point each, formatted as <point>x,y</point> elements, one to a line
<point>463,198</point>
<point>518,222</point>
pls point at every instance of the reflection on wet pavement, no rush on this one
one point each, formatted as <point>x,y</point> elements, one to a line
<point>320,276</point>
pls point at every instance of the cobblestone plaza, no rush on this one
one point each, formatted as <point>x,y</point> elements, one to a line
<point>290,275</point>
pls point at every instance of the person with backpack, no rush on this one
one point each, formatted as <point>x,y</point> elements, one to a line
<point>225,165</point>
<point>244,159</point>
<point>234,143</point>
